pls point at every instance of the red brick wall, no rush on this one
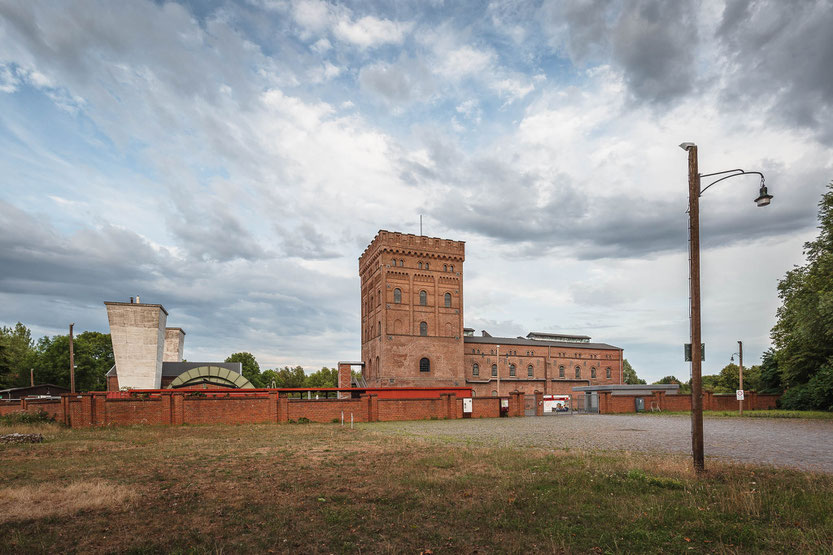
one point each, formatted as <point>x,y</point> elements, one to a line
<point>411,409</point>
<point>485,407</point>
<point>53,408</point>
<point>128,411</point>
<point>225,410</point>
<point>609,404</point>
<point>8,407</point>
<point>326,410</point>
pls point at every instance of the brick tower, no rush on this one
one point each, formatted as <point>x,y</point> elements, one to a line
<point>412,310</point>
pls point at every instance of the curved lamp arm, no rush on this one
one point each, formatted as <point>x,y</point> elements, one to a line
<point>763,199</point>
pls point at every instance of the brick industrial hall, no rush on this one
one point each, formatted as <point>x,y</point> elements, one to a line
<point>413,330</point>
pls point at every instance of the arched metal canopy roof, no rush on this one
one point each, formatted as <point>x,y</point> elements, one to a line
<point>211,375</point>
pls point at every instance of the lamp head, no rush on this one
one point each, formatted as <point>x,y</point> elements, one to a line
<point>686,146</point>
<point>764,198</point>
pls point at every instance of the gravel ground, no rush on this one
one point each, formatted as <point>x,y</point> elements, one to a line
<point>797,443</point>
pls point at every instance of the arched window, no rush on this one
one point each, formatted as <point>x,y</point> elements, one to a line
<point>445,267</point>
<point>530,371</point>
<point>494,393</point>
<point>560,371</point>
<point>511,369</point>
<point>423,298</point>
<point>419,265</point>
<point>380,328</point>
<point>423,328</point>
<point>607,372</point>
<point>401,262</point>
<point>424,365</point>
<point>592,371</point>
<point>448,300</point>
<point>371,303</point>
<point>475,370</point>
<point>494,369</point>
<point>394,262</point>
<point>578,371</point>
<point>473,394</point>
<point>451,268</point>
<point>426,265</point>
<point>397,295</point>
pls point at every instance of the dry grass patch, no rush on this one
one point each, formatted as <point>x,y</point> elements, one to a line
<point>51,500</point>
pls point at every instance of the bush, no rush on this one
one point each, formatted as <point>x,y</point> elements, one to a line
<point>40,417</point>
<point>817,394</point>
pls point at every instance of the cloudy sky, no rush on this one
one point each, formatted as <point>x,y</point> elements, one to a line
<point>232,160</point>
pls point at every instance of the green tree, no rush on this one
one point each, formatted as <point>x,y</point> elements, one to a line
<point>803,333</point>
<point>251,369</point>
<point>93,358</point>
<point>728,379</point>
<point>668,380</point>
<point>770,379</point>
<point>326,377</point>
<point>286,377</point>
<point>17,355</point>
<point>629,374</point>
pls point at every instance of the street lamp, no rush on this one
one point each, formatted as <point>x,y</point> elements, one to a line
<point>740,364</point>
<point>694,192</point>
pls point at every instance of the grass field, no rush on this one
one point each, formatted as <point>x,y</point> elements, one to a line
<point>810,414</point>
<point>324,488</point>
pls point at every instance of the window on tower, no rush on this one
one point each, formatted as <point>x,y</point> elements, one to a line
<point>423,328</point>
<point>397,295</point>
<point>423,298</point>
<point>448,300</point>
<point>424,365</point>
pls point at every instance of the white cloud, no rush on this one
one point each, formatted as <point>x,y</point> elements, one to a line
<point>370,31</point>
<point>464,61</point>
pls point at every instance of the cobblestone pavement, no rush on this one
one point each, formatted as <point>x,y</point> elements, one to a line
<point>804,444</point>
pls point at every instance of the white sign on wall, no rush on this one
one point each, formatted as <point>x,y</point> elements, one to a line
<point>504,403</point>
<point>467,405</point>
<point>739,394</point>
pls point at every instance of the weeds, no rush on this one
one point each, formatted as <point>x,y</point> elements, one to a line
<point>23,417</point>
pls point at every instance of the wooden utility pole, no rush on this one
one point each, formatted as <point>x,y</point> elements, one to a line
<point>694,292</point>
<point>740,374</point>
<point>71,362</point>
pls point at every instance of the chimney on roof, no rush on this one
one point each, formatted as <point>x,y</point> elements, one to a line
<point>485,333</point>
<point>131,300</point>
<point>137,299</point>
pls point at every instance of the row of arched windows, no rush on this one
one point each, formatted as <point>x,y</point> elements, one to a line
<point>530,369</point>
<point>423,298</point>
<point>608,372</point>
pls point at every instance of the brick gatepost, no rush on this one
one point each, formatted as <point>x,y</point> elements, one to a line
<point>539,403</point>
